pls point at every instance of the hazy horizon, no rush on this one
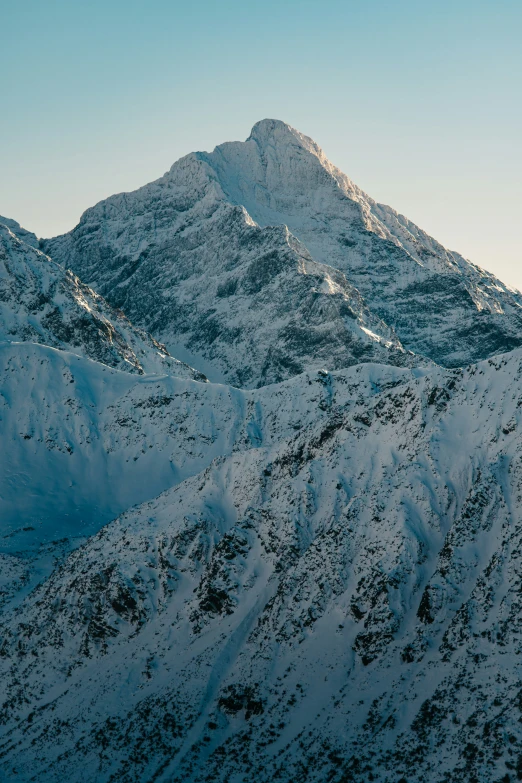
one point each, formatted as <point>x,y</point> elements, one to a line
<point>416,105</point>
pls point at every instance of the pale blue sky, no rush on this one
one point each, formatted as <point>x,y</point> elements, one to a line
<point>418,102</point>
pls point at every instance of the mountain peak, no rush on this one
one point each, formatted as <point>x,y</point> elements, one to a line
<point>22,233</point>
<point>276,133</point>
<point>267,127</point>
<point>207,220</point>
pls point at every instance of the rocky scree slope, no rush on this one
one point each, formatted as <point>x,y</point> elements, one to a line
<point>338,599</point>
<point>42,302</point>
<point>218,235</point>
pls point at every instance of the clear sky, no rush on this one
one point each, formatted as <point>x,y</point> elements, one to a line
<point>419,102</point>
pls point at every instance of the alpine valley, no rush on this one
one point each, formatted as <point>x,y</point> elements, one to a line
<point>260,488</point>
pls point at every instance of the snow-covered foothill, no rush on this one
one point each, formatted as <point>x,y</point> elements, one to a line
<point>335,599</point>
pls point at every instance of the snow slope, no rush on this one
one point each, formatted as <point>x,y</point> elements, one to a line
<point>44,303</point>
<point>219,234</point>
<point>83,442</point>
<point>336,598</point>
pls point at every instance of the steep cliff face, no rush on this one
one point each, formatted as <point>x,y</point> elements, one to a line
<point>42,302</point>
<point>335,599</point>
<point>211,234</point>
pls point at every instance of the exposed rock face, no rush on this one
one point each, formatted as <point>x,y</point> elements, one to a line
<point>334,598</point>
<point>42,302</point>
<point>238,290</point>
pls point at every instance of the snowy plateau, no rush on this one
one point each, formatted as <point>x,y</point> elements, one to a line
<point>260,488</point>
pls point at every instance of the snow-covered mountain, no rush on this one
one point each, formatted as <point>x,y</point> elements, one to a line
<point>19,231</point>
<point>439,304</point>
<point>307,570</point>
<point>336,597</point>
<point>218,234</point>
<point>42,302</point>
